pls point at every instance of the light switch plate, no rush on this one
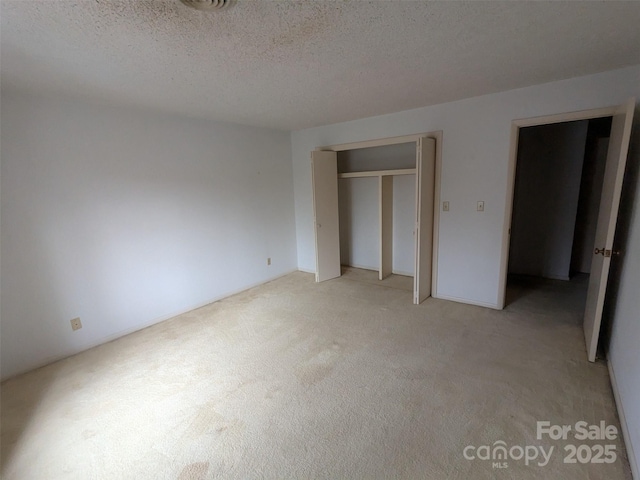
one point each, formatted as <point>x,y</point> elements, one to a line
<point>445,206</point>
<point>481,206</point>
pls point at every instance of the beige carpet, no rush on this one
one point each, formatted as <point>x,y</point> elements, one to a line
<point>292,379</point>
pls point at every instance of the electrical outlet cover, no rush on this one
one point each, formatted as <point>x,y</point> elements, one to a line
<point>76,324</point>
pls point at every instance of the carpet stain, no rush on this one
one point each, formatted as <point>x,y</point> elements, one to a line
<point>194,471</point>
<point>311,374</point>
<point>416,374</point>
<point>319,366</point>
<point>272,391</point>
<point>231,428</point>
<point>207,420</point>
<point>413,402</point>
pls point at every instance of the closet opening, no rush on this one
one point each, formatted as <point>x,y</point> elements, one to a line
<point>374,210</point>
<point>377,210</point>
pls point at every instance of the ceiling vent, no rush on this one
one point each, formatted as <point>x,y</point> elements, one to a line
<point>207,5</point>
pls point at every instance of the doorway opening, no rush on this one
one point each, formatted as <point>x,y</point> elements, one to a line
<point>558,186</point>
<point>559,177</point>
<point>566,172</point>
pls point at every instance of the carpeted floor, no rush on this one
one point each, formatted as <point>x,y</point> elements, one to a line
<point>292,379</point>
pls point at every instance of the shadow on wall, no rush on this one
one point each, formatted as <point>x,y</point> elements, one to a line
<point>621,239</point>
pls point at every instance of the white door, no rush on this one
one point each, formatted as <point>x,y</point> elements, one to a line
<point>324,167</point>
<point>607,217</point>
<point>425,184</point>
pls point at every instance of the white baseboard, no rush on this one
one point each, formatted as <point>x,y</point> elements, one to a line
<point>403,273</point>
<point>375,269</point>
<point>305,270</point>
<point>361,267</point>
<point>140,326</point>
<point>467,301</point>
<point>623,423</point>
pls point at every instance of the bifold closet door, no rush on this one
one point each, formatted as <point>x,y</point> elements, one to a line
<point>425,185</point>
<point>324,168</point>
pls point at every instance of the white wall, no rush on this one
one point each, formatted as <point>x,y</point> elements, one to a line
<point>123,218</point>
<point>545,202</point>
<point>476,139</point>
<point>385,157</point>
<point>404,220</point>
<point>359,222</point>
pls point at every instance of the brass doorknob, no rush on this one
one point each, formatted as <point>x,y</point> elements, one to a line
<point>606,252</point>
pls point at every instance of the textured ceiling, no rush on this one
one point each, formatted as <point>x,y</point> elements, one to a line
<point>291,65</point>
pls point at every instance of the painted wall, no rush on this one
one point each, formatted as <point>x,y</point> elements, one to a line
<point>475,150</point>
<point>385,157</point>
<point>359,229</point>
<point>124,218</point>
<point>360,223</point>
<point>545,201</point>
<point>404,219</point>
<point>359,207</point>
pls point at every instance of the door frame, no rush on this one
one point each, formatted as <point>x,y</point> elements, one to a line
<point>379,142</point>
<point>516,125</point>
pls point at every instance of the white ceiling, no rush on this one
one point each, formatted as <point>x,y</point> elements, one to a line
<point>291,65</point>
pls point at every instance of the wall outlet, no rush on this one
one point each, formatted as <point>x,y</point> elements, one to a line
<point>269,261</point>
<point>481,206</point>
<point>445,206</point>
<point>76,324</point>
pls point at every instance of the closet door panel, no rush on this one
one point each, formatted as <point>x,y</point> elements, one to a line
<point>324,168</point>
<point>425,185</point>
